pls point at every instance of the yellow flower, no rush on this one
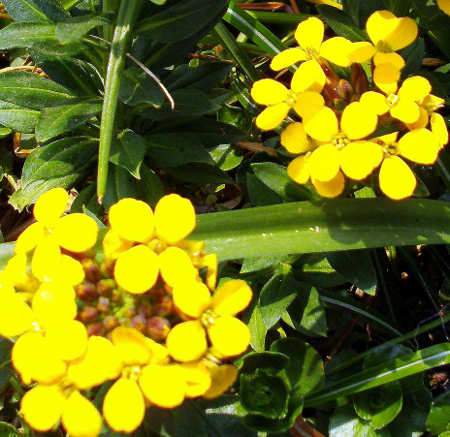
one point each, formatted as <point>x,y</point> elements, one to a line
<point>342,148</point>
<point>45,406</point>
<point>402,104</point>
<point>332,3</point>
<point>312,47</point>
<point>73,232</point>
<point>444,5</point>
<point>388,34</point>
<point>213,319</point>
<point>396,178</point>
<point>302,98</point>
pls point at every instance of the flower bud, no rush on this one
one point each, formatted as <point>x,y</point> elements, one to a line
<point>103,304</point>
<point>105,287</point>
<point>87,291</point>
<point>158,328</point>
<point>91,270</point>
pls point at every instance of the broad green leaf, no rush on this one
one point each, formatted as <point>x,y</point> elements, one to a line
<point>137,87</point>
<point>305,368</point>
<point>389,371</point>
<point>181,20</point>
<point>357,267</point>
<point>226,157</point>
<point>439,418</point>
<point>128,152</point>
<point>269,362</point>
<point>58,164</point>
<point>64,118</point>
<point>276,296</point>
<point>259,193</point>
<point>18,118</point>
<point>150,188</point>
<point>35,10</point>
<point>315,269</point>
<point>32,91</point>
<point>74,28</point>
<point>19,35</point>
<point>379,406</point>
<point>6,252</point>
<point>260,263</point>
<point>304,227</point>
<point>258,330</point>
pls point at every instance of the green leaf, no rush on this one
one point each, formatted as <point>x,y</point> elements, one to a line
<point>270,362</point>
<point>381,405</point>
<point>263,394</point>
<point>129,152</point>
<point>200,173</point>
<point>305,368</point>
<point>6,370</point>
<point>137,87</point>
<point>439,418</point>
<point>357,267</point>
<point>20,35</point>
<point>32,91</point>
<point>341,23</point>
<point>18,118</point>
<point>181,20</point>
<point>7,430</point>
<point>257,329</point>
<point>304,227</point>
<point>276,296</point>
<point>59,164</point>
<point>74,28</point>
<point>35,10</point>
<point>6,252</point>
<point>64,118</point>
<point>389,371</point>
<point>226,157</point>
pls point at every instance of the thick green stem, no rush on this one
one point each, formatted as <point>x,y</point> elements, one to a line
<point>127,14</point>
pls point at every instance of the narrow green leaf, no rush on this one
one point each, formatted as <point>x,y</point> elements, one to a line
<point>304,227</point>
<point>389,371</point>
<point>57,120</point>
<point>35,10</point>
<point>74,28</point>
<point>32,91</point>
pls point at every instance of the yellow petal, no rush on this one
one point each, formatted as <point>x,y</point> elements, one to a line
<point>324,163</point>
<point>222,378</point>
<point>332,188</point>
<point>406,111</point>
<point>390,32</point>
<point>444,5</point>
<point>30,238</point>
<point>229,337</point>
<point>294,138</point>
<point>285,59</point>
<point>132,220</point>
<point>422,121</point>
<point>269,92</point>
<point>174,218</point>
<point>309,34</point>
<point>42,407</point>
<point>415,88</point>
<point>164,386</point>
<point>160,354</point>
<point>337,50</point>
<point>124,406</point>
<point>388,139</point>
<point>397,181</point>
<point>357,122</point>
<point>70,271</point>
<point>68,339</point>
<point>197,378</point>
<point>361,51</point>
<point>131,346</point>
<point>16,316</point>
<point>35,360</point>
<point>210,262</point>
<point>16,271</point>
<point>232,297</point>
<point>322,126</point>
<point>100,363</point>
<point>113,245</point>
<point>298,169</point>
<point>53,303</point>
<point>46,260</point>
<point>432,103</point>
<point>309,77</point>
<point>137,269</point>
<point>439,128</point>
<point>80,417</point>
<point>76,232</point>
<point>51,206</point>
<point>272,116</point>
<point>191,298</point>
<point>394,59</point>
<point>419,146</point>
<point>187,341</point>
<point>359,159</point>
<point>176,266</point>
<point>386,77</point>
<point>308,103</point>
<point>375,102</point>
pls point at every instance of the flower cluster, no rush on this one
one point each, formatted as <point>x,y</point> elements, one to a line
<point>135,304</point>
<point>348,128</point>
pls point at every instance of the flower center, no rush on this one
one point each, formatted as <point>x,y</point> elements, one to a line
<point>340,141</point>
<point>208,318</point>
<point>384,47</point>
<point>291,99</point>
<point>392,100</point>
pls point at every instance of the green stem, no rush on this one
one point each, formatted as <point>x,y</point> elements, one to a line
<point>239,55</point>
<point>127,14</point>
<point>109,7</point>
